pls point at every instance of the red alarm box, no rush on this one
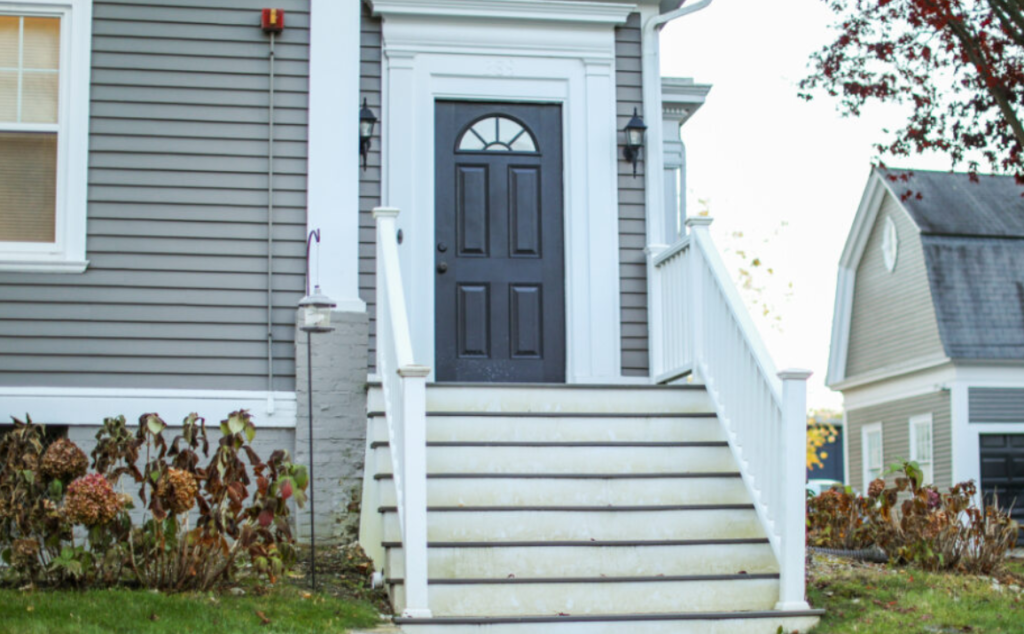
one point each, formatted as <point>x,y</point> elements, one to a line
<point>272,21</point>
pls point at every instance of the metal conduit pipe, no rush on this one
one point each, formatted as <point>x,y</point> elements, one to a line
<point>653,158</point>
<point>270,235</point>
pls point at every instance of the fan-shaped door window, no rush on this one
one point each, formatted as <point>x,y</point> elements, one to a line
<point>497,134</point>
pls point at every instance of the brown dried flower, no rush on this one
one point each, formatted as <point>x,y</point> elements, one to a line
<point>876,488</point>
<point>64,461</point>
<point>25,552</point>
<point>91,501</point>
<point>177,489</point>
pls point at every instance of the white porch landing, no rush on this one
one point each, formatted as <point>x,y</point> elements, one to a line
<point>578,509</point>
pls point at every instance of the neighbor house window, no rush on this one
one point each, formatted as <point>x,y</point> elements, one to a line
<point>921,446</point>
<point>44,74</point>
<point>871,446</point>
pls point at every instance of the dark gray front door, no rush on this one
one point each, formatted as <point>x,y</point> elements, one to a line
<point>499,263</point>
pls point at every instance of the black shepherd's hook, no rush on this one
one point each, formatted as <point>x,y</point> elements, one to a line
<point>315,233</point>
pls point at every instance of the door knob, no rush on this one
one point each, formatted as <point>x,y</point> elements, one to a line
<point>442,247</point>
<point>442,268</point>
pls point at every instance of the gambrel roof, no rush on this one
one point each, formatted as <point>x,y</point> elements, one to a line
<point>973,239</point>
<point>972,235</point>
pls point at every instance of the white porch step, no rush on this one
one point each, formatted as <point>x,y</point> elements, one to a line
<point>532,560</point>
<point>573,489</point>
<point>601,595</point>
<point>550,459</point>
<point>591,523</point>
<point>549,398</point>
<point>767,622</point>
<point>583,428</point>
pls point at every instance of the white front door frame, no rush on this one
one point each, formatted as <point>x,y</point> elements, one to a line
<point>480,60</point>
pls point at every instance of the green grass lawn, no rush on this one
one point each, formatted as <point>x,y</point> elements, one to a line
<point>283,609</point>
<point>882,600</point>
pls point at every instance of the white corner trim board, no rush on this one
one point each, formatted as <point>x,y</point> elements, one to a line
<point>333,184</point>
<point>532,10</point>
<point>89,406</point>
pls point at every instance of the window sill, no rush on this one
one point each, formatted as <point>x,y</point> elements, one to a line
<point>41,266</point>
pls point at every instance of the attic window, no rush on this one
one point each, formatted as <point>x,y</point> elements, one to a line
<point>497,134</point>
<point>890,244</point>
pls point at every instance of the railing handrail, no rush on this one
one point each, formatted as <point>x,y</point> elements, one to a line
<point>389,262</point>
<point>700,324</point>
<point>740,313</point>
<point>403,383</point>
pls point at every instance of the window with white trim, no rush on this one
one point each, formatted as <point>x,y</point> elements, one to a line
<point>871,452</point>
<point>44,86</point>
<point>921,446</point>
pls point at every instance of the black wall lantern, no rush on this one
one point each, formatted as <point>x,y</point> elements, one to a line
<point>634,139</point>
<point>366,122</point>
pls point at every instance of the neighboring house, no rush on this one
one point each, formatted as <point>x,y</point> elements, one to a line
<point>832,465</point>
<point>928,332</point>
<point>516,284</point>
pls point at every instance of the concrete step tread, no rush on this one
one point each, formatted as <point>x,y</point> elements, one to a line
<point>592,543</point>
<point>556,386</point>
<point>564,580</point>
<point>572,476</point>
<point>598,618</point>
<point>565,444</point>
<point>579,509</point>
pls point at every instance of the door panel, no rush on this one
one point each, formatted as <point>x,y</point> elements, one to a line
<point>499,257</point>
<point>471,212</point>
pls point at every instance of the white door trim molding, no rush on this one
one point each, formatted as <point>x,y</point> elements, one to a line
<point>89,406</point>
<point>478,60</point>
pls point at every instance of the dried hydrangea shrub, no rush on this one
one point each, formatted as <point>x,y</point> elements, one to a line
<point>64,461</point>
<point>177,490</point>
<point>91,501</point>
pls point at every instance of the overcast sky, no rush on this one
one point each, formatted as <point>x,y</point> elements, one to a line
<point>762,157</point>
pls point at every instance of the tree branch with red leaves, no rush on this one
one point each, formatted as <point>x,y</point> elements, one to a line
<point>957,64</point>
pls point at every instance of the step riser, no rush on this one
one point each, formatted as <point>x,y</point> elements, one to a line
<point>583,526</point>
<point>580,599</point>
<point>542,492</point>
<point>557,399</point>
<point>573,459</point>
<point>730,626</point>
<point>581,561</point>
<point>549,429</point>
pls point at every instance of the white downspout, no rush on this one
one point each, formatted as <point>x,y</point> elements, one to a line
<point>654,157</point>
<point>654,168</point>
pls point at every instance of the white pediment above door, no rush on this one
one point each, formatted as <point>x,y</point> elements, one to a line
<point>579,11</point>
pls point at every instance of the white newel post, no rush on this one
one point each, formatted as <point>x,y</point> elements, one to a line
<point>698,226</point>
<point>414,403</point>
<point>793,498</point>
<point>655,312</point>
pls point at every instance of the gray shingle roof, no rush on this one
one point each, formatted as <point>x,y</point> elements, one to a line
<point>950,204</point>
<point>973,239</point>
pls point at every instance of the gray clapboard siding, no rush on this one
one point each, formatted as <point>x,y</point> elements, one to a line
<point>369,180</point>
<point>893,320</point>
<point>174,296</point>
<point>995,405</point>
<point>632,225</point>
<point>895,418</point>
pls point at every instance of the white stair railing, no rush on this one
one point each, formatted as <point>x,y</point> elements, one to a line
<point>405,405</point>
<point>700,325</point>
